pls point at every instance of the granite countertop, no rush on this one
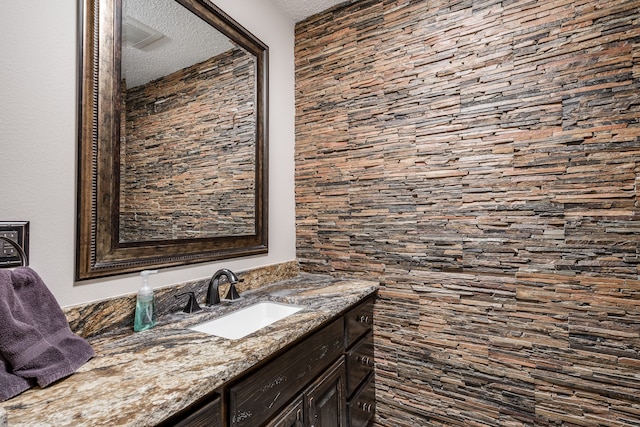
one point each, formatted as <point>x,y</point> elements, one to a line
<point>145,377</point>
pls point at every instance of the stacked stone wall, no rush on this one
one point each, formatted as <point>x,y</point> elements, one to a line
<point>482,160</point>
<point>188,153</point>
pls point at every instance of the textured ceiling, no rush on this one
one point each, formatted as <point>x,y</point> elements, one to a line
<point>301,9</point>
<point>188,40</point>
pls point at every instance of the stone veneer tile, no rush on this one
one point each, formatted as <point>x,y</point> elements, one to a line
<point>481,159</point>
<point>178,131</point>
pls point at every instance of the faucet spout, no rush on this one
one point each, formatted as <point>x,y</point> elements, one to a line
<point>213,293</point>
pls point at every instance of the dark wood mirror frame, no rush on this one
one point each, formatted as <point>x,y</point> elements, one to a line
<point>99,252</point>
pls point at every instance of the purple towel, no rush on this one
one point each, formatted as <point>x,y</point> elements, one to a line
<point>35,338</point>
<point>11,384</point>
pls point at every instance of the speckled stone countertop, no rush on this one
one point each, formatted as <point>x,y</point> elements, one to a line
<point>143,378</point>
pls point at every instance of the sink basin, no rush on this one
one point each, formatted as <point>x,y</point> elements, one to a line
<point>247,320</point>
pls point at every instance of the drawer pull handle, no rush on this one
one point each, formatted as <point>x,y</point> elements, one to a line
<point>366,407</point>
<point>364,360</point>
<point>364,319</point>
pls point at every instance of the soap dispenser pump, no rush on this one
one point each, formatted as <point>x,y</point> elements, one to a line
<point>145,316</point>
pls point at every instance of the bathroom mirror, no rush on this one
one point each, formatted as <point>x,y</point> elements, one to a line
<point>172,155</point>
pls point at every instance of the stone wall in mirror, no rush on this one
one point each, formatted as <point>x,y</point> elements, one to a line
<point>188,134</point>
<point>173,137</point>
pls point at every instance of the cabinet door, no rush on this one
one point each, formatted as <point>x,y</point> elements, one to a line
<point>326,398</point>
<point>291,416</point>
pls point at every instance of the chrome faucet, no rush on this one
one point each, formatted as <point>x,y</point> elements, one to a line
<point>213,295</point>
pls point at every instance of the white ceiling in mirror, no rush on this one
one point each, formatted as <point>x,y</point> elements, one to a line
<point>186,40</point>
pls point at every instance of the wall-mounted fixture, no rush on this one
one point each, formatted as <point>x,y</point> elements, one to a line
<point>14,243</point>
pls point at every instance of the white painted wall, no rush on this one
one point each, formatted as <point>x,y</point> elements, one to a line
<point>38,112</point>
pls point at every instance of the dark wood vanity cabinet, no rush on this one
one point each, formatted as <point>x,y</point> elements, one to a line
<point>258,396</point>
<point>340,359</point>
<point>324,380</point>
<point>359,358</point>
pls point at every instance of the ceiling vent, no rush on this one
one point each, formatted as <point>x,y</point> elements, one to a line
<point>138,35</point>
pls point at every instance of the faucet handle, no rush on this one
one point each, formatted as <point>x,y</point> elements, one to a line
<point>192,305</point>
<point>233,294</point>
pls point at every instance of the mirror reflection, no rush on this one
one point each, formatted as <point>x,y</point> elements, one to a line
<point>187,127</point>
<point>172,155</point>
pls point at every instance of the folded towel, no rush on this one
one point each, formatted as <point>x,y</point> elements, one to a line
<point>10,384</point>
<point>35,338</point>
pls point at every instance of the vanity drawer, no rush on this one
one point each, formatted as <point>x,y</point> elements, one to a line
<point>359,363</point>
<point>363,405</point>
<point>208,414</point>
<point>260,395</point>
<point>359,320</point>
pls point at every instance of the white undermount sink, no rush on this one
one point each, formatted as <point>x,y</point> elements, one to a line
<point>244,321</point>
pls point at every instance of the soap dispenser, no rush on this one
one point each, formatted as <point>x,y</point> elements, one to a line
<point>145,317</point>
